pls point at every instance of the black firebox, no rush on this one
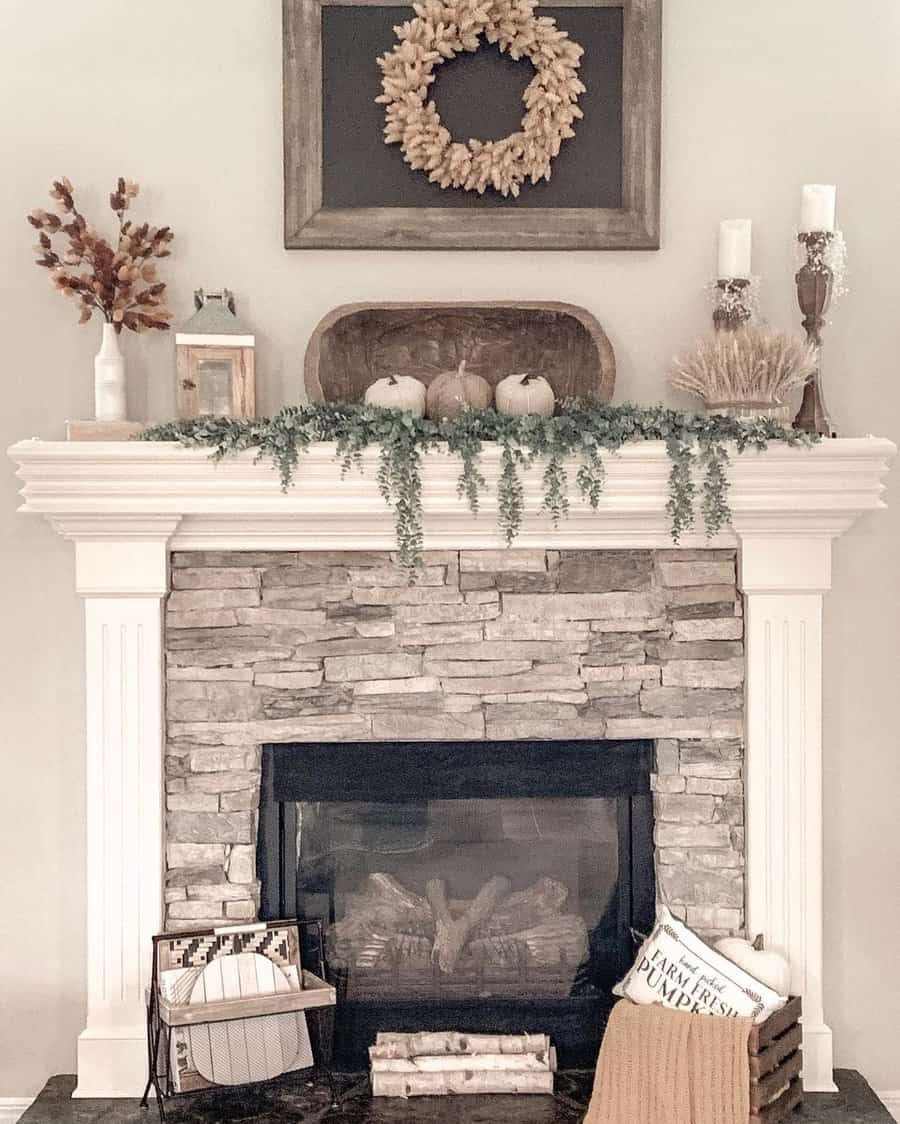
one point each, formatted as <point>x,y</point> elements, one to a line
<point>474,886</point>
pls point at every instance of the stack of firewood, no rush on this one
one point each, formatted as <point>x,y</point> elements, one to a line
<point>440,1064</point>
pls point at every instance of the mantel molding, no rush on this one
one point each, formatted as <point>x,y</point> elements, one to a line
<point>148,490</point>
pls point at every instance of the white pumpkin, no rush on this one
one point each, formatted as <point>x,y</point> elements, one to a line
<point>525,394</point>
<point>398,392</point>
<point>769,967</point>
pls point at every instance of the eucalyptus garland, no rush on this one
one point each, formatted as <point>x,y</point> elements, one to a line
<point>582,431</point>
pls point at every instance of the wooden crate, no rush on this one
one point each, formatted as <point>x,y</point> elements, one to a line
<point>775,1061</point>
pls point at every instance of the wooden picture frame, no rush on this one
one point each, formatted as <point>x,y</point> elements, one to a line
<point>308,224</point>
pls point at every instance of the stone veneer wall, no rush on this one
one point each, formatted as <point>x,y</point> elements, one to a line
<point>267,647</point>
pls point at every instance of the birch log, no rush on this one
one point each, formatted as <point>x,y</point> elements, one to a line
<point>506,1063</point>
<point>443,1043</point>
<point>459,1083</point>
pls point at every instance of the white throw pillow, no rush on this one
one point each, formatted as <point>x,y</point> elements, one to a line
<point>679,970</point>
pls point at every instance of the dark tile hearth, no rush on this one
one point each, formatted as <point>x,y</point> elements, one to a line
<point>293,1099</point>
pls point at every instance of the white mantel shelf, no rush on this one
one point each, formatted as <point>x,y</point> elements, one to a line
<point>128,505</point>
<point>132,489</point>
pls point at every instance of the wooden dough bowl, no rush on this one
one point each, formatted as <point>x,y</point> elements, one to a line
<point>355,344</point>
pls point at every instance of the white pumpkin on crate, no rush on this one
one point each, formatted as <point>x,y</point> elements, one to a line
<point>763,964</point>
<point>398,392</point>
<point>525,394</point>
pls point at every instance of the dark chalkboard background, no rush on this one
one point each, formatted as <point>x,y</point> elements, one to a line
<point>477,95</point>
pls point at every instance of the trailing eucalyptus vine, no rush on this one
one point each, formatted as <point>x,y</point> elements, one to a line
<point>697,445</point>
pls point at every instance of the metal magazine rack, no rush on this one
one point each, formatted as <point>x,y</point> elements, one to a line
<point>234,1005</point>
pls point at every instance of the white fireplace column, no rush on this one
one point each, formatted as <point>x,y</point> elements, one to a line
<point>123,581</point>
<point>783,580</point>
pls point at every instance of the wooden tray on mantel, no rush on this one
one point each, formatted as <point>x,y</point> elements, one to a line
<point>355,344</point>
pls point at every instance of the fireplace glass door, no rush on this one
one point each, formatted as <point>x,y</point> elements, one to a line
<point>465,886</point>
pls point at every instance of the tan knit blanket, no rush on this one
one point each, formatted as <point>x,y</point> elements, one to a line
<point>659,1066</point>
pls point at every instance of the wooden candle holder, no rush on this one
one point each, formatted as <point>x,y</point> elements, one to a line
<point>732,308</point>
<point>814,285</point>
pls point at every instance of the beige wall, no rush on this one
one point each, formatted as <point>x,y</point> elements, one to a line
<point>185,96</point>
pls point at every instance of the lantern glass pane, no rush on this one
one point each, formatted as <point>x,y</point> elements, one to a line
<point>214,387</point>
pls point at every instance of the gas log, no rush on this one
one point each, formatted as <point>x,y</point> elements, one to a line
<point>451,934</point>
<point>387,925</point>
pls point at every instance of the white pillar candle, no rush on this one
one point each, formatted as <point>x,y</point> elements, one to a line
<point>734,248</point>
<point>817,202</point>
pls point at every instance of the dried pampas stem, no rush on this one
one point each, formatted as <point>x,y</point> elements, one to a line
<point>440,31</point>
<point>752,368</point>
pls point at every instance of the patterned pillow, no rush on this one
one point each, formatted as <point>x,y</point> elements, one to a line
<point>677,969</point>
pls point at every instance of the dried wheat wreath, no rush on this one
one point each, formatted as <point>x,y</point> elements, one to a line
<point>440,31</point>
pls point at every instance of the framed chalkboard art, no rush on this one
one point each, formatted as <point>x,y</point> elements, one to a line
<point>472,124</point>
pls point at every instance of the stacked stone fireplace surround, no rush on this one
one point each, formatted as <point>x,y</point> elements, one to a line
<point>502,645</point>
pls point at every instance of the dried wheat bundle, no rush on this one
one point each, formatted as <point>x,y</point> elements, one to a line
<point>440,31</point>
<point>751,367</point>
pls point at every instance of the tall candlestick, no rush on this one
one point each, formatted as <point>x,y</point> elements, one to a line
<point>735,240</point>
<point>817,204</point>
<point>814,282</point>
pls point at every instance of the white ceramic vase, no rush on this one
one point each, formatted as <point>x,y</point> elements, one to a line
<point>109,378</point>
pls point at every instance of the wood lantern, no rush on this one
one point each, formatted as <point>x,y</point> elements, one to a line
<point>215,357</point>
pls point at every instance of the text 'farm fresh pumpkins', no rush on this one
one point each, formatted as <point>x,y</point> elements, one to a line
<point>769,967</point>
<point>525,394</point>
<point>452,392</point>
<point>398,392</point>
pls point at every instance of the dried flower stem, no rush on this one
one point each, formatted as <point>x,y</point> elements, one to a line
<point>120,283</point>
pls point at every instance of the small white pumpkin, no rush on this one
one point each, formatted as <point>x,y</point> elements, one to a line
<point>525,394</point>
<point>769,967</point>
<point>398,392</point>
